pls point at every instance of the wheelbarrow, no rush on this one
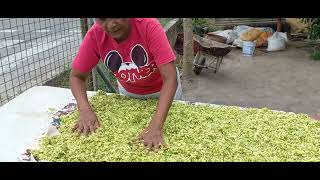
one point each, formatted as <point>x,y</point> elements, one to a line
<point>208,53</point>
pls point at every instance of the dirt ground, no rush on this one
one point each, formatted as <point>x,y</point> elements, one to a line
<point>288,80</point>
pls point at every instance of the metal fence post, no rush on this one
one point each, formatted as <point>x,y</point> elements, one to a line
<point>84,26</point>
<point>94,70</point>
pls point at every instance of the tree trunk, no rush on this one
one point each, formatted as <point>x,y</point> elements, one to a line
<point>187,48</point>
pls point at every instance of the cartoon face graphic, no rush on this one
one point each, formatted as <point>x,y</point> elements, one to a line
<point>137,68</point>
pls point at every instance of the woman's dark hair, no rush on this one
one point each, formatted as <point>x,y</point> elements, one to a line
<point>101,19</point>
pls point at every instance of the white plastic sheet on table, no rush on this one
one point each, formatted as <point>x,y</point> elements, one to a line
<point>26,117</point>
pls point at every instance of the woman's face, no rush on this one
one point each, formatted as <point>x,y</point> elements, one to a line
<point>117,28</point>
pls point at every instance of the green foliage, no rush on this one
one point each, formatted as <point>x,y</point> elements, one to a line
<point>164,21</point>
<point>316,55</point>
<point>201,26</point>
<point>313,27</point>
<point>314,32</point>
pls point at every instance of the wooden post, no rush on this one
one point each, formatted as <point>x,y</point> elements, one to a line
<point>279,25</point>
<point>187,48</point>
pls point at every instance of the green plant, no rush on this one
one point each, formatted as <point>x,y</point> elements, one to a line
<point>164,21</point>
<point>109,75</point>
<point>199,22</point>
<point>316,55</point>
<point>310,21</point>
<point>201,26</point>
<point>67,66</point>
<point>192,132</point>
<point>313,27</point>
<point>314,32</point>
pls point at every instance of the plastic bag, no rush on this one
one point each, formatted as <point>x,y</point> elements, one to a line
<point>239,30</point>
<point>229,34</point>
<point>284,36</point>
<point>266,29</point>
<point>232,36</point>
<point>251,34</point>
<point>224,33</point>
<point>238,42</point>
<point>262,40</point>
<point>277,41</point>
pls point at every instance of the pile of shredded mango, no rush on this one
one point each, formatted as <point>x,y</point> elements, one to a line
<point>193,133</point>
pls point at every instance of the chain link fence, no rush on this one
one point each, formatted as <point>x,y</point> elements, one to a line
<point>34,51</point>
<point>39,51</point>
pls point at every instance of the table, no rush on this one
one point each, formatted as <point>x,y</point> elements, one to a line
<point>26,117</point>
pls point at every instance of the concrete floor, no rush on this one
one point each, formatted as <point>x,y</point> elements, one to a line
<point>288,80</point>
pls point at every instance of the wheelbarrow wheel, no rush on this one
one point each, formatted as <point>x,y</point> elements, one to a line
<point>197,69</point>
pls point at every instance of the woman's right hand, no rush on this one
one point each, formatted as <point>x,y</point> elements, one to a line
<point>87,123</point>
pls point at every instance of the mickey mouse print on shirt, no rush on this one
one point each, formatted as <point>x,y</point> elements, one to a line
<point>132,70</point>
